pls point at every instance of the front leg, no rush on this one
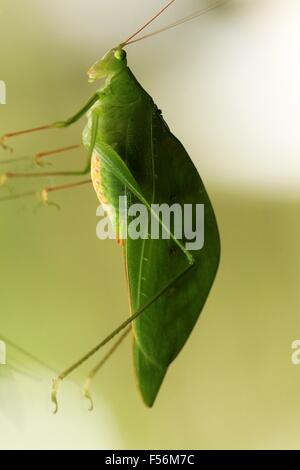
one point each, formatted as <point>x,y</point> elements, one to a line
<point>84,171</point>
<point>56,125</point>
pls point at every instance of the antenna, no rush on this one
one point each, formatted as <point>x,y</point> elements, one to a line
<point>148,23</point>
<point>194,15</point>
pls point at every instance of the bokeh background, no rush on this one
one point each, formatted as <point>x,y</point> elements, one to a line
<point>228,84</point>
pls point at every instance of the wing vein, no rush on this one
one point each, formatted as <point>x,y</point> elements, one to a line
<point>140,275</point>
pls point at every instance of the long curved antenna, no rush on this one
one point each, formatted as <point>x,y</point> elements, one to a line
<point>148,23</point>
<point>194,15</point>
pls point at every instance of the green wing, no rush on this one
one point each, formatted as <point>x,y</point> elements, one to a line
<point>161,332</point>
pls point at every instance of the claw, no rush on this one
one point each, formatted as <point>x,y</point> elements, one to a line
<point>87,395</point>
<point>45,199</point>
<point>37,159</point>
<point>55,387</point>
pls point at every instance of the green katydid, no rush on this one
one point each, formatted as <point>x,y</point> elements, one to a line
<point>132,152</point>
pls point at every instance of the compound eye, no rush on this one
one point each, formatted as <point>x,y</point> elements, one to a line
<point>120,54</point>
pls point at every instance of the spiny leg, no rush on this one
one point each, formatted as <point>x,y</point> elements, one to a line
<point>11,175</point>
<point>38,157</point>
<point>55,125</point>
<point>57,382</point>
<point>10,135</point>
<point>4,177</point>
<point>44,194</point>
<point>52,189</point>
<point>95,370</point>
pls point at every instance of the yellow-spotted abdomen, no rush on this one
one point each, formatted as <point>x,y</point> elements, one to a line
<point>96,178</point>
<point>103,195</point>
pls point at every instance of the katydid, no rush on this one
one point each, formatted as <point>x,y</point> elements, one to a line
<point>132,152</point>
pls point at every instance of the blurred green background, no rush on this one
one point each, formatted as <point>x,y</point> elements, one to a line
<point>228,84</point>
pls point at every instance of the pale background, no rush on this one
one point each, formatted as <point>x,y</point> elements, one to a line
<point>229,86</point>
